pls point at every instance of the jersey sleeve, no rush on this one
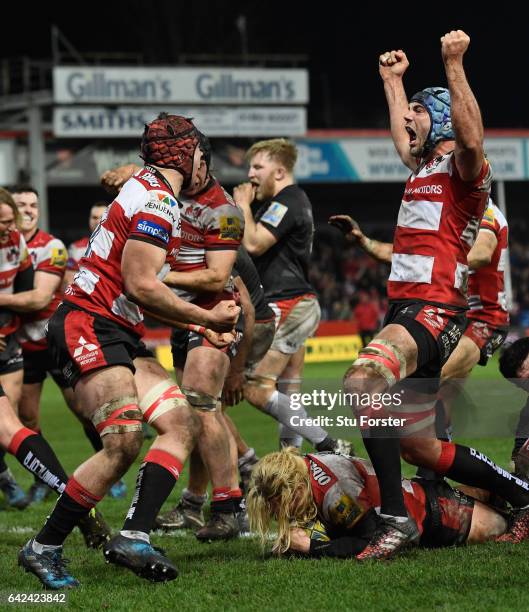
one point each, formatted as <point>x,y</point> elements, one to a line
<point>223,228</point>
<point>490,221</point>
<point>155,219</point>
<point>53,258</point>
<point>75,252</point>
<point>279,217</point>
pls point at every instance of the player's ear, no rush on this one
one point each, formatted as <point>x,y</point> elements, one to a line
<point>280,173</point>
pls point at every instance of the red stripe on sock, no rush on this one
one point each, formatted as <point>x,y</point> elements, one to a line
<point>166,460</point>
<point>172,392</point>
<point>81,495</point>
<point>18,438</point>
<point>221,494</point>
<point>448,452</point>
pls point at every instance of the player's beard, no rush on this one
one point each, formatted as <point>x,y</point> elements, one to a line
<point>266,189</point>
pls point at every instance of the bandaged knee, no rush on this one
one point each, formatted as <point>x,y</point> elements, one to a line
<point>385,358</point>
<point>160,399</point>
<point>121,415</point>
<point>201,401</point>
<point>261,381</point>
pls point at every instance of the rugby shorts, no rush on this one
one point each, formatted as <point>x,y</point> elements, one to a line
<point>298,319</point>
<point>487,338</point>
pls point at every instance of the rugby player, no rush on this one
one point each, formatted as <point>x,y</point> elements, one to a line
<point>95,337</point>
<point>439,136</point>
<point>326,505</point>
<point>279,239</point>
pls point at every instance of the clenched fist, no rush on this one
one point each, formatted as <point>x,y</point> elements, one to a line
<point>392,64</point>
<point>454,44</point>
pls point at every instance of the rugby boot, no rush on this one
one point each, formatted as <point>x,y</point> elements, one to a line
<point>13,492</point>
<point>38,492</point>
<point>118,490</point>
<point>390,537</point>
<point>95,530</point>
<point>184,515</point>
<point>141,557</point>
<point>519,528</point>
<point>221,526</point>
<point>49,567</point>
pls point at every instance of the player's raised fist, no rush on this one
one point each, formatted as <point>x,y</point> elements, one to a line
<point>392,63</point>
<point>454,44</point>
<point>223,316</point>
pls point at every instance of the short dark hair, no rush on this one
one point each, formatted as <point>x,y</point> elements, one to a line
<point>513,356</point>
<point>21,188</point>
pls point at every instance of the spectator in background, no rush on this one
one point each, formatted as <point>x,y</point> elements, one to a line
<point>366,315</point>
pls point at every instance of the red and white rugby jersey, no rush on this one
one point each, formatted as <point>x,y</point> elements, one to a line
<point>211,221</point>
<point>486,286</point>
<point>76,250</point>
<point>14,258</point>
<point>437,224</point>
<point>345,488</point>
<point>145,209</point>
<point>48,254</point>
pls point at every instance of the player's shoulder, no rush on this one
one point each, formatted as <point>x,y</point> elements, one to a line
<point>82,243</point>
<point>45,239</point>
<point>292,196</point>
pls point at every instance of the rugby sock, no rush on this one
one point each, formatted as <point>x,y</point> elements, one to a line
<point>156,478</point>
<point>469,466</point>
<point>197,501</point>
<point>383,448</point>
<point>221,501</point>
<point>237,500</point>
<point>36,455</point>
<point>279,407</point>
<point>93,437</point>
<point>73,505</point>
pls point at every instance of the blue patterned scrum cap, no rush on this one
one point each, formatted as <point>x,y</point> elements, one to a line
<point>436,100</point>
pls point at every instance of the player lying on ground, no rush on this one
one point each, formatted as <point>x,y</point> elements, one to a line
<point>326,506</point>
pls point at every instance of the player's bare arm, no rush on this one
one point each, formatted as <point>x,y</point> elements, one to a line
<point>140,264</point>
<point>392,65</point>
<point>257,239</point>
<point>235,380</point>
<point>481,253</point>
<point>465,113</point>
<point>213,278</point>
<point>382,251</point>
<point>113,180</point>
<point>39,297</point>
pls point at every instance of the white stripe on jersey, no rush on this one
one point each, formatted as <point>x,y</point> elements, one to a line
<point>461,276</point>
<point>502,261</point>
<point>411,268</point>
<point>123,307</point>
<point>420,214</point>
<point>103,243</point>
<point>86,280</point>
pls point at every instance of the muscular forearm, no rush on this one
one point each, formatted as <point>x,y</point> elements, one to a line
<point>158,299</point>
<point>199,280</point>
<point>466,116</point>
<point>398,105</point>
<point>382,251</point>
<point>26,301</point>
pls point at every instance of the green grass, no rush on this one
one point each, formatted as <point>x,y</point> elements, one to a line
<point>236,576</point>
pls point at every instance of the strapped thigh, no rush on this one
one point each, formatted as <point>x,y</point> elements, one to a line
<point>385,358</point>
<point>164,396</point>
<point>121,415</point>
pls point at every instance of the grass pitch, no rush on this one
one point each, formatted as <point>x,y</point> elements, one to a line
<point>236,575</point>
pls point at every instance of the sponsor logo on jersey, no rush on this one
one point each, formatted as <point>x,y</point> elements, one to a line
<point>13,254</point>
<point>58,257</point>
<point>274,214</point>
<point>319,474</point>
<point>150,178</point>
<point>230,228</point>
<point>425,190</point>
<point>152,229</point>
<point>162,204</point>
<point>489,217</point>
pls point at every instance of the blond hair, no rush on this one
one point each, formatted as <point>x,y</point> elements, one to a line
<point>284,478</point>
<point>279,149</point>
<point>7,199</point>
